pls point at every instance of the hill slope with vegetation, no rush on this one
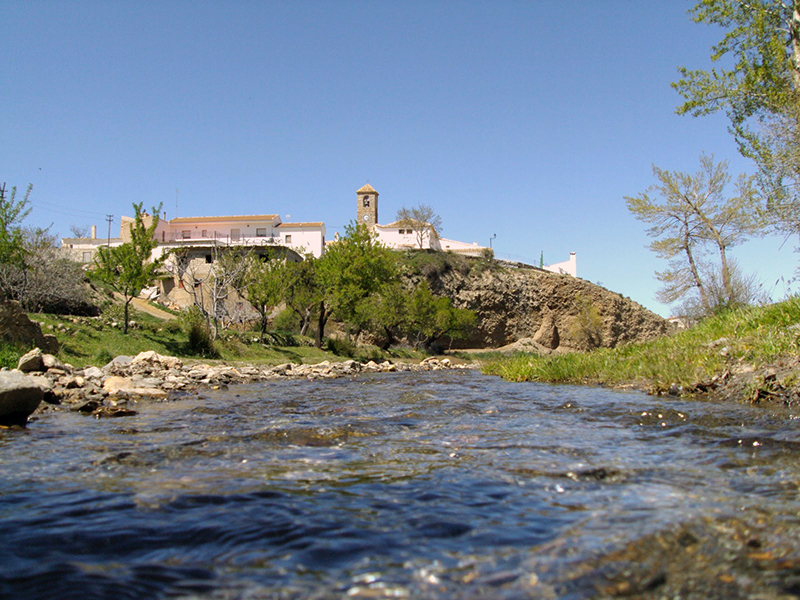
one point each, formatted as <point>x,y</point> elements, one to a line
<point>546,311</point>
<point>748,354</point>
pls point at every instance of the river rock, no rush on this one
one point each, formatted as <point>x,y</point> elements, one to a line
<point>119,364</point>
<point>150,360</point>
<point>16,328</point>
<point>31,361</point>
<point>93,373</point>
<point>116,385</point>
<point>20,395</point>
<point>51,362</point>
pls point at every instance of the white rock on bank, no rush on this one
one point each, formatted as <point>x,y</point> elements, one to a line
<point>20,395</point>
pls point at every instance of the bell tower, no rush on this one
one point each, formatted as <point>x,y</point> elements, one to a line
<point>367,205</point>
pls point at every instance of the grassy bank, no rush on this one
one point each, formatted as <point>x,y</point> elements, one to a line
<point>747,337</point>
<point>94,341</point>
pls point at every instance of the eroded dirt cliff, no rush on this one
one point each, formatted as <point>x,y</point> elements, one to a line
<point>543,310</point>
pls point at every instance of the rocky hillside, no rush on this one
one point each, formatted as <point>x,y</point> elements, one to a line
<point>537,309</point>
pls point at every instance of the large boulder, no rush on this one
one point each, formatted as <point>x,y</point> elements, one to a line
<point>31,361</point>
<point>16,328</point>
<point>20,395</point>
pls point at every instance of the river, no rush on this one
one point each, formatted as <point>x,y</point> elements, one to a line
<point>409,485</point>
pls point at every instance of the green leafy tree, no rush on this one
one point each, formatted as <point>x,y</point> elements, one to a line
<point>759,93</point>
<point>129,267</point>
<point>424,222</point>
<point>352,269</point>
<point>13,211</point>
<point>385,313</point>
<point>688,215</point>
<point>300,291</point>
<point>431,317</point>
<point>265,286</point>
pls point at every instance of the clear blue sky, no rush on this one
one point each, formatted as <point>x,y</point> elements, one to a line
<point>530,120</point>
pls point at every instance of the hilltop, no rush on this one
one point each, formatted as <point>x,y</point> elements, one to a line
<point>532,308</point>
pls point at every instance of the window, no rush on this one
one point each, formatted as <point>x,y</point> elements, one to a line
<point>401,231</point>
<point>409,231</point>
<point>204,233</point>
<point>163,236</point>
<point>261,232</point>
<point>366,201</point>
<point>87,256</point>
<point>235,235</point>
<point>209,259</point>
<point>186,234</point>
<point>288,239</point>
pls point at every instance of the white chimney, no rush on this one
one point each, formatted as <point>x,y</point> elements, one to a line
<point>94,232</point>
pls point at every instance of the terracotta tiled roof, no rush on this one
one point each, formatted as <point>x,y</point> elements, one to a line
<point>294,225</point>
<point>367,188</point>
<point>179,220</point>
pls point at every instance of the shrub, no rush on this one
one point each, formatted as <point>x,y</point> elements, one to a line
<point>341,347</point>
<point>286,321</point>
<point>10,355</point>
<point>198,335</point>
<point>103,357</point>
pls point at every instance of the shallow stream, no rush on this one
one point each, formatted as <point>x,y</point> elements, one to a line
<point>408,485</point>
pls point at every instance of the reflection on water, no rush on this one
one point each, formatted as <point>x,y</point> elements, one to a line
<point>426,485</point>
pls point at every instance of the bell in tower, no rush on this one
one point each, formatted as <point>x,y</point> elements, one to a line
<point>367,205</point>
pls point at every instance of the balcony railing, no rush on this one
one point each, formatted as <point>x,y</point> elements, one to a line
<point>217,238</point>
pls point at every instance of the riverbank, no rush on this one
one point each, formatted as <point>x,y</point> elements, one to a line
<point>115,389</point>
<point>749,354</point>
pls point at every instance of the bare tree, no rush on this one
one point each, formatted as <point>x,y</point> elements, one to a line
<point>689,215</point>
<point>423,220</point>
<point>79,231</point>
<point>217,286</point>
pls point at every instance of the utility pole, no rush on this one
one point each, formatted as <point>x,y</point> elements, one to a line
<point>109,218</point>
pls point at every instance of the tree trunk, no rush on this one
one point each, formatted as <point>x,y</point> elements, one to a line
<point>389,338</point>
<point>263,313</point>
<point>726,274</point>
<point>321,321</point>
<point>693,268</point>
<point>125,315</point>
<point>305,321</point>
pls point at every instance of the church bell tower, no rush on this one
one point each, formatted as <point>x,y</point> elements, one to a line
<point>367,205</point>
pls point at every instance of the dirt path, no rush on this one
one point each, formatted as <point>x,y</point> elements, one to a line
<point>145,306</point>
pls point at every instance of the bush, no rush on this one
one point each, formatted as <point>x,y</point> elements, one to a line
<point>368,353</point>
<point>103,357</point>
<point>341,347</point>
<point>199,340</point>
<point>287,321</point>
<point>46,282</point>
<point>433,263</point>
<point>10,355</point>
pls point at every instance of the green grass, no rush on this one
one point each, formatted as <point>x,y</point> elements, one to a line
<point>753,335</point>
<point>92,341</point>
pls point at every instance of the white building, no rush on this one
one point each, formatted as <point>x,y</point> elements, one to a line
<point>405,236</point>
<point>402,236</point>
<point>568,267</point>
<point>203,232</point>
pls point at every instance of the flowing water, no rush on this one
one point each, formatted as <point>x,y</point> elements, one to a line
<point>409,485</point>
